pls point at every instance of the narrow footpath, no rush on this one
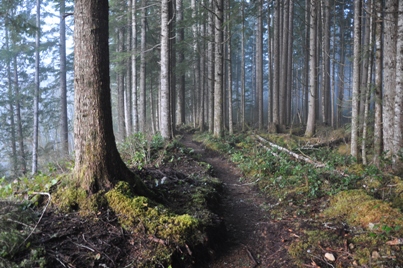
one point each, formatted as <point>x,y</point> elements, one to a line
<point>254,239</point>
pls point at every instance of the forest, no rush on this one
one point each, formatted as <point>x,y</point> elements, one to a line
<point>129,106</point>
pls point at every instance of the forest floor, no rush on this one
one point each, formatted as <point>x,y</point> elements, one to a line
<point>249,238</point>
<point>245,223</point>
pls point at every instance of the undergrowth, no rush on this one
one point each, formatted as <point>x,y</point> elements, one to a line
<point>363,199</point>
<point>176,228</point>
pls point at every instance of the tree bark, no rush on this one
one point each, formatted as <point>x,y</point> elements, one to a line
<point>283,67</point>
<point>128,61</point>
<point>326,63</point>
<point>165,91</point>
<point>180,88</point>
<point>378,84</point>
<point>143,98</point>
<point>276,74</point>
<point>11,110</point>
<point>35,137</point>
<point>229,72</point>
<point>98,165</point>
<point>22,161</point>
<point>218,74</point>
<point>259,62</point>
<point>134,68</point>
<point>356,79</point>
<point>210,49</point>
<point>64,128</point>
<point>310,126</point>
<point>389,74</point>
<point>398,125</point>
<point>121,86</point>
<point>243,67</point>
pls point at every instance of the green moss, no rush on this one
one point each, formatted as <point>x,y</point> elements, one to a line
<point>139,214</point>
<point>358,208</point>
<point>311,244</point>
<point>69,197</point>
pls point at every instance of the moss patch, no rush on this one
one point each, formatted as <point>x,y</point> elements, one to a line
<point>358,208</point>
<point>139,214</point>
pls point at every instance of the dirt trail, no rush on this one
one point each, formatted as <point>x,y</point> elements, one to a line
<point>254,239</point>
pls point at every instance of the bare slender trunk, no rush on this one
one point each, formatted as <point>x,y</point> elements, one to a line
<point>310,126</point>
<point>398,125</point>
<point>211,66</point>
<point>134,67</point>
<point>142,99</point>
<point>356,78</point>
<point>64,128</point>
<point>218,74</point>
<point>165,101</point>
<point>389,74</point>
<point>35,138</point>
<point>22,161</point>
<point>378,84</point>
<point>11,111</point>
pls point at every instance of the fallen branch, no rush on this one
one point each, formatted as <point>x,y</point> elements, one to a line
<point>40,218</point>
<point>297,156</point>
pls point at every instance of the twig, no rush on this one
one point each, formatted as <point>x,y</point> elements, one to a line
<point>83,246</point>
<point>251,256</point>
<point>18,222</point>
<point>60,261</point>
<point>40,218</point>
<point>158,240</point>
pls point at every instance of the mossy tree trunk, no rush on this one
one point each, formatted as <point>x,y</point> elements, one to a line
<point>98,165</point>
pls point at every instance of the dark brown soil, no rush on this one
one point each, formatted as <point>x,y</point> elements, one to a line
<point>254,240</point>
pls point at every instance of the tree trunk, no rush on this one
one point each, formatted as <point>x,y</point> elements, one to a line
<point>259,62</point>
<point>134,68</point>
<point>378,84</point>
<point>340,97</point>
<point>128,91</point>
<point>243,67</point>
<point>398,125</point>
<point>37,91</point>
<point>211,66</point>
<point>164,60</point>
<point>356,79</point>
<point>11,111</point>
<point>218,74</point>
<point>290,39</point>
<point>276,74</point>
<point>306,58</point>
<point>389,74</point>
<point>367,84</point>
<point>229,72</point>
<point>270,70</point>
<point>143,98</point>
<point>283,67</point>
<point>196,64</point>
<point>310,126</point>
<point>326,64</point>
<point>22,161</point>
<point>180,88</point>
<point>64,127</point>
<point>98,165</point>
<point>121,86</point>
